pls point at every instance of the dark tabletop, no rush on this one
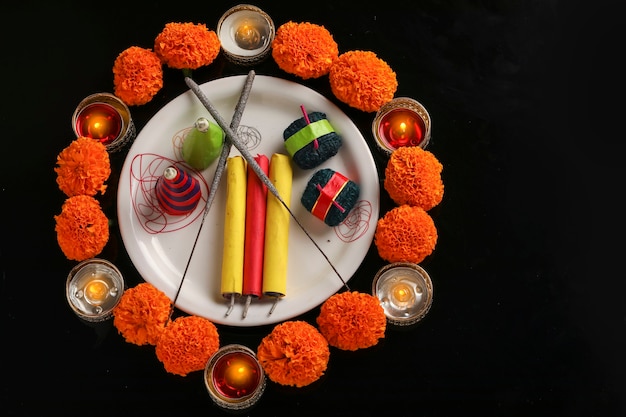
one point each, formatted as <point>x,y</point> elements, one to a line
<point>528,317</point>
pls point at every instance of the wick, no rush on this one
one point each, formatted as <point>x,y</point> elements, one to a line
<point>273,306</point>
<point>336,204</point>
<point>308,122</point>
<point>239,144</point>
<point>232,304</point>
<point>304,113</point>
<point>247,306</point>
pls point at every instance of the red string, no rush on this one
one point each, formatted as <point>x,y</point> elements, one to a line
<point>308,121</point>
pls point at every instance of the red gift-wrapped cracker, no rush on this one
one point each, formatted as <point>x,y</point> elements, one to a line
<point>256,207</point>
<point>329,196</point>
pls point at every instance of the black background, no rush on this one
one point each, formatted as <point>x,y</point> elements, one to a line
<point>528,317</point>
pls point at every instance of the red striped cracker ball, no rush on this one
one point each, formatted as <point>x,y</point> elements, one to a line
<point>329,196</point>
<point>177,192</point>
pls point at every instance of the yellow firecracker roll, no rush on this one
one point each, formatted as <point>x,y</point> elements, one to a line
<point>234,227</point>
<point>277,228</point>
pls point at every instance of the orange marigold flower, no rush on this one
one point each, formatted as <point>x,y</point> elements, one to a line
<point>186,344</point>
<point>142,313</point>
<point>82,228</point>
<point>362,80</point>
<point>304,49</point>
<point>137,75</point>
<point>413,177</point>
<point>295,353</point>
<point>405,234</point>
<point>352,320</point>
<point>83,167</point>
<point>186,45</point>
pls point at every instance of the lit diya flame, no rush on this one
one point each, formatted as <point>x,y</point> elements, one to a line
<point>248,36</point>
<point>403,295</point>
<point>402,127</point>
<point>402,122</point>
<point>405,292</point>
<point>94,288</point>
<point>234,377</point>
<point>99,121</point>
<point>96,291</point>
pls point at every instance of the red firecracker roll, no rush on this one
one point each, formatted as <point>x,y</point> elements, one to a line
<point>256,207</point>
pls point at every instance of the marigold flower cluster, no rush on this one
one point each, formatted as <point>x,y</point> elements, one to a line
<point>141,314</point>
<point>413,177</point>
<point>82,228</point>
<point>186,45</point>
<point>186,344</point>
<point>358,78</point>
<point>295,353</point>
<point>137,75</point>
<point>413,181</point>
<point>362,80</point>
<point>352,320</point>
<point>138,72</point>
<point>83,167</point>
<point>304,49</point>
<point>405,234</point>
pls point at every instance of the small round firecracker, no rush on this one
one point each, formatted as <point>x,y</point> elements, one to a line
<point>304,49</point>
<point>413,177</point>
<point>142,313</point>
<point>352,320</point>
<point>186,45</point>
<point>137,75</point>
<point>202,144</point>
<point>83,167</point>
<point>295,354</point>
<point>82,228</point>
<point>362,80</point>
<point>329,196</point>
<point>311,140</point>
<point>177,192</point>
<point>405,234</point>
<point>186,344</point>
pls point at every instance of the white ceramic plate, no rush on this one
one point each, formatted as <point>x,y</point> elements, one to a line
<point>159,245</point>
